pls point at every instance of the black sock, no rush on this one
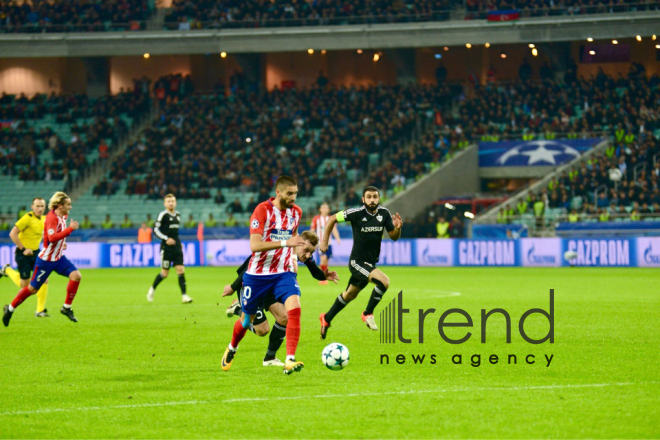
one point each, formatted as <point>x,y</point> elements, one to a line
<point>157,281</point>
<point>337,307</point>
<point>182,283</point>
<point>277,335</point>
<point>376,296</point>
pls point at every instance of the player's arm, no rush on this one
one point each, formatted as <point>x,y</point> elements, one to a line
<point>257,245</point>
<point>393,226</point>
<point>317,273</point>
<point>332,221</point>
<point>51,227</point>
<point>162,223</point>
<point>229,289</point>
<point>335,233</point>
<point>13,234</point>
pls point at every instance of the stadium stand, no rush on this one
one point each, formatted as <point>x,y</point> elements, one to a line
<point>79,16</point>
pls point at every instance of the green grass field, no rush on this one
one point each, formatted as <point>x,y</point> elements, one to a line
<point>134,369</point>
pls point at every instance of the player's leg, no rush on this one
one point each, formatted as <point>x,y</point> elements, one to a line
<point>235,308</point>
<point>277,335</point>
<point>254,290</point>
<point>287,291</point>
<point>66,268</point>
<point>181,273</point>
<point>382,283</point>
<point>324,267</point>
<point>164,271</point>
<point>352,290</point>
<point>42,295</point>
<point>260,325</point>
<point>41,272</point>
<point>15,277</point>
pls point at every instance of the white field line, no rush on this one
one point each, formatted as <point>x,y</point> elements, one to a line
<point>325,396</point>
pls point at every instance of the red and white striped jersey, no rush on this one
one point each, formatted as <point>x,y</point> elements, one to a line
<point>318,226</point>
<point>55,233</point>
<point>273,225</point>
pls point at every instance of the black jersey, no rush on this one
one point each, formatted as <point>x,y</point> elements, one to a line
<point>367,231</point>
<point>167,226</point>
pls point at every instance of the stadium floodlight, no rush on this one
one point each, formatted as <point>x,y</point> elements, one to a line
<point>615,42</point>
<point>449,206</point>
<point>590,39</point>
<point>639,38</point>
<point>468,45</point>
<point>535,52</point>
<point>487,45</point>
<point>146,56</point>
<point>468,214</point>
<point>223,54</point>
<point>531,46</point>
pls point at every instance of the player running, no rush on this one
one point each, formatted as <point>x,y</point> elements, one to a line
<point>51,258</point>
<point>260,325</point>
<point>171,249</point>
<point>27,235</point>
<point>273,232</point>
<point>318,225</point>
<point>367,222</point>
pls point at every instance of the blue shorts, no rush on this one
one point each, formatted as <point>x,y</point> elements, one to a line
<point>43,269</point>
<point>256,287</point>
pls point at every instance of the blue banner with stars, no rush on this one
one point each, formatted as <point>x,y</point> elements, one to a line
<point>533,153</point>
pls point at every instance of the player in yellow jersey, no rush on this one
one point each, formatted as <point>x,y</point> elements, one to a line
<point>27,235</point>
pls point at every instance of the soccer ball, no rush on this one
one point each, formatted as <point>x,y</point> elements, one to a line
<point>335,356</point>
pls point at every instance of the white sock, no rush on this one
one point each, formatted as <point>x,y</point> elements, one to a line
<point>11,308</point>
<point>290,357</point>
<point>231,347</point>
<point>67,306</point>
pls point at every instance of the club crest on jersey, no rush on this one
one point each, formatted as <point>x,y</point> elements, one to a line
<point>379,218</point>
<point>254,224</point>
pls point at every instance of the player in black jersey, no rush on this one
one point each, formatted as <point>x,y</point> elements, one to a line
<point>171,250</point>
<point>368,223</point>
<point>260,325</point>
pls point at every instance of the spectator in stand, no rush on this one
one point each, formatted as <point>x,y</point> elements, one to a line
<point>144,233</point>
<point>126,223</point>
<point>235,208</point>
<point>211,222</point>
<point>191,223</point>
<point>107,223</point>
<point>231,221</point>
<point>86,223</point>
<point>352,199</point>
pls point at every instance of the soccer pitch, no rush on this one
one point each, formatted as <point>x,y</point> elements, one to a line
<point>134,369</point>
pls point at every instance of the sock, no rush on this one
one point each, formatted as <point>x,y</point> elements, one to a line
<point>157,281</point>
<point>42,294</point>
<point>14,276</point>
<point>337,307</point>
<point>71,290</point>
<point>324,267</point>
<point>252,329</point>
<point>292,332</point>
<point>239,332</point>
<point>275,339</point>
<point>23,294</point>
<point>182,283</point>
<point>376,296</point>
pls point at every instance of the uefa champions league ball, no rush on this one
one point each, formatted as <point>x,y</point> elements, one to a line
<point>335,356</point>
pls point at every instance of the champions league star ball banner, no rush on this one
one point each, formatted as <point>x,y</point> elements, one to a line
<point>532,153</point>
<point>524,252</point>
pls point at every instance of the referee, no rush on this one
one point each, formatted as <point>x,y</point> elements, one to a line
<point>26,235</point>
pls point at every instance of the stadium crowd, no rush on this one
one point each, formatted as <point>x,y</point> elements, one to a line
<point>253,138</point>
<point>539,8</point>
<point>94,125</point>
<point>73,16</point>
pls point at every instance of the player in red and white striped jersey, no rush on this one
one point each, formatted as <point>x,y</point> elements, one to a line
<point>318,226</point>
<point>273,234</point>
<point>51,258</point>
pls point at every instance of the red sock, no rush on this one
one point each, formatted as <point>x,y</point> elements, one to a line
<point>324,267</point>
<point>292,331</point>
<point>71,290</point>
<point>238,334</point>
<point>23,294</point>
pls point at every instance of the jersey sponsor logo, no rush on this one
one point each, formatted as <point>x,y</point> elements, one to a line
<point>372,229</point>
<point>254,224</point>
<point>174,226</point>
<point>280,234</point>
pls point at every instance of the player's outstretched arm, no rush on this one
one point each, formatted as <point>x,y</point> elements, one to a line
<point>397,222</point>
<point>332,221</point>
<point>257,245</point>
